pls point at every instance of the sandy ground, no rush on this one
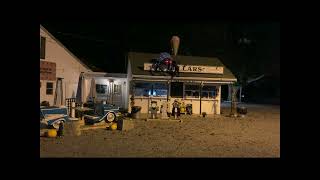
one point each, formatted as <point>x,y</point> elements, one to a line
<point>256,135</point>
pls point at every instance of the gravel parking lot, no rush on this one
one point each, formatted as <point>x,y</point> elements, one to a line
<point>256,135</point>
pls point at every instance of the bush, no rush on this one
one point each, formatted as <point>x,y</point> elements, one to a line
<point>204,114</point>
<point>45,103</point>
<point>135,109</point>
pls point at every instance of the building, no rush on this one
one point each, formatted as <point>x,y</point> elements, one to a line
<point>56,61</point>
<point>198,82</point>
<point>111,88</point>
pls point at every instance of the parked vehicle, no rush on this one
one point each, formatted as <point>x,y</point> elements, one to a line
<point>165,64</point>
<point>53,116</point>
<point>103,112</point>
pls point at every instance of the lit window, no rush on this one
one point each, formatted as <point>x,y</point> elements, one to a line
<point>117,89</point>
<point>101,89</point>
<point>151,89</point>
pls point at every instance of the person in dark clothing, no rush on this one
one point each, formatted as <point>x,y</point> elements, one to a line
<point>60,130</point>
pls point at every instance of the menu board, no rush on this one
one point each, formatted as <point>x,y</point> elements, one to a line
<point>47,71</point>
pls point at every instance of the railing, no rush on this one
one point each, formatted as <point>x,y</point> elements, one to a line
<point>69,102</point>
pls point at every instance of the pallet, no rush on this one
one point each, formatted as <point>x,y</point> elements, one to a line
<point>165,120</point>
<point>84,128</point>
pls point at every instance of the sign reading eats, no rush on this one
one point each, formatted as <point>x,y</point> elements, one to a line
<point>47,71</point>
<point>193,69</point>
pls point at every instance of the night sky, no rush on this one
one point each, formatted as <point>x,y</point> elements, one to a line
<point>104,45</point>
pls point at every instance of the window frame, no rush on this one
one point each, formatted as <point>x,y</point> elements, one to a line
<point>213,92</point>
<point>42,47</point>
<point>47,88</point>
<point>196,90</point>
<point>101,86</point>
<point>177,96</point>
<point>148,89</point>
<point>117,89</point>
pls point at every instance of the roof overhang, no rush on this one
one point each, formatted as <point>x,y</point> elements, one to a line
<point>186,79</point>
<point>66,49</point>
<point>104,75</point>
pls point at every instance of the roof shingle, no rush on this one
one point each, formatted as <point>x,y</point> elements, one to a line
<point>138,59</point>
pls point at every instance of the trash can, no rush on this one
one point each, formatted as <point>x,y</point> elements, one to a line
<point>242,110</point>
<point>135,111</point>
<point>72,127</point>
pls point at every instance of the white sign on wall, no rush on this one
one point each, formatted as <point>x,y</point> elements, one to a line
<point>193,69</point>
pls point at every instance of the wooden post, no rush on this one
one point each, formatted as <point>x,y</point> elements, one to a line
<point>229,92</point>
<point>148,107</point>
<point>73,106</point>
<point>200,96</point>
<point>234,101</point>
<point>240,94</point>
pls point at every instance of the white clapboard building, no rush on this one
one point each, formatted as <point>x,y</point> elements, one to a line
<point>56,61</point>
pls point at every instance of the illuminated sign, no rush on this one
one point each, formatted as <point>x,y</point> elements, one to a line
<point>193,69</point>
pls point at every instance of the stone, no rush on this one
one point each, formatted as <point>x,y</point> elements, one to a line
<point>43,132</point>
<point>164,108</point>
<point>125,125</point>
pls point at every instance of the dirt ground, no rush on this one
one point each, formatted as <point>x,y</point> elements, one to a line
<point>256,135</point>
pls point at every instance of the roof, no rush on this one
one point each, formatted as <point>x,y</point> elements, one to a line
<point>138,59</point>
<point>103,74</point>
<point>75,57</point>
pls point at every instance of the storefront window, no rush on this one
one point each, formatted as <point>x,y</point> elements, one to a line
<point>191,91</point>
<point>151,89</point>
<point>101,89</point>
<point>208,92</point>
<point>176,89</point>
<point>160,89</point>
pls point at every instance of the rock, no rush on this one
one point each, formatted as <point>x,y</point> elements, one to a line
<point>125,125</point>
<point>43,132</point>
<point>43,125</point>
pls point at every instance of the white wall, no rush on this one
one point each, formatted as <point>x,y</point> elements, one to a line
<point>67,67</point>
<point>121,99</point>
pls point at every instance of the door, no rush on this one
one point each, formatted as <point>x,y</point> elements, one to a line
<point>116,96</point>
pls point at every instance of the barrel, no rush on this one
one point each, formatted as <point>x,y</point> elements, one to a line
<point>135,111</point>
<point>72,127</point>
<point>136,115</point>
